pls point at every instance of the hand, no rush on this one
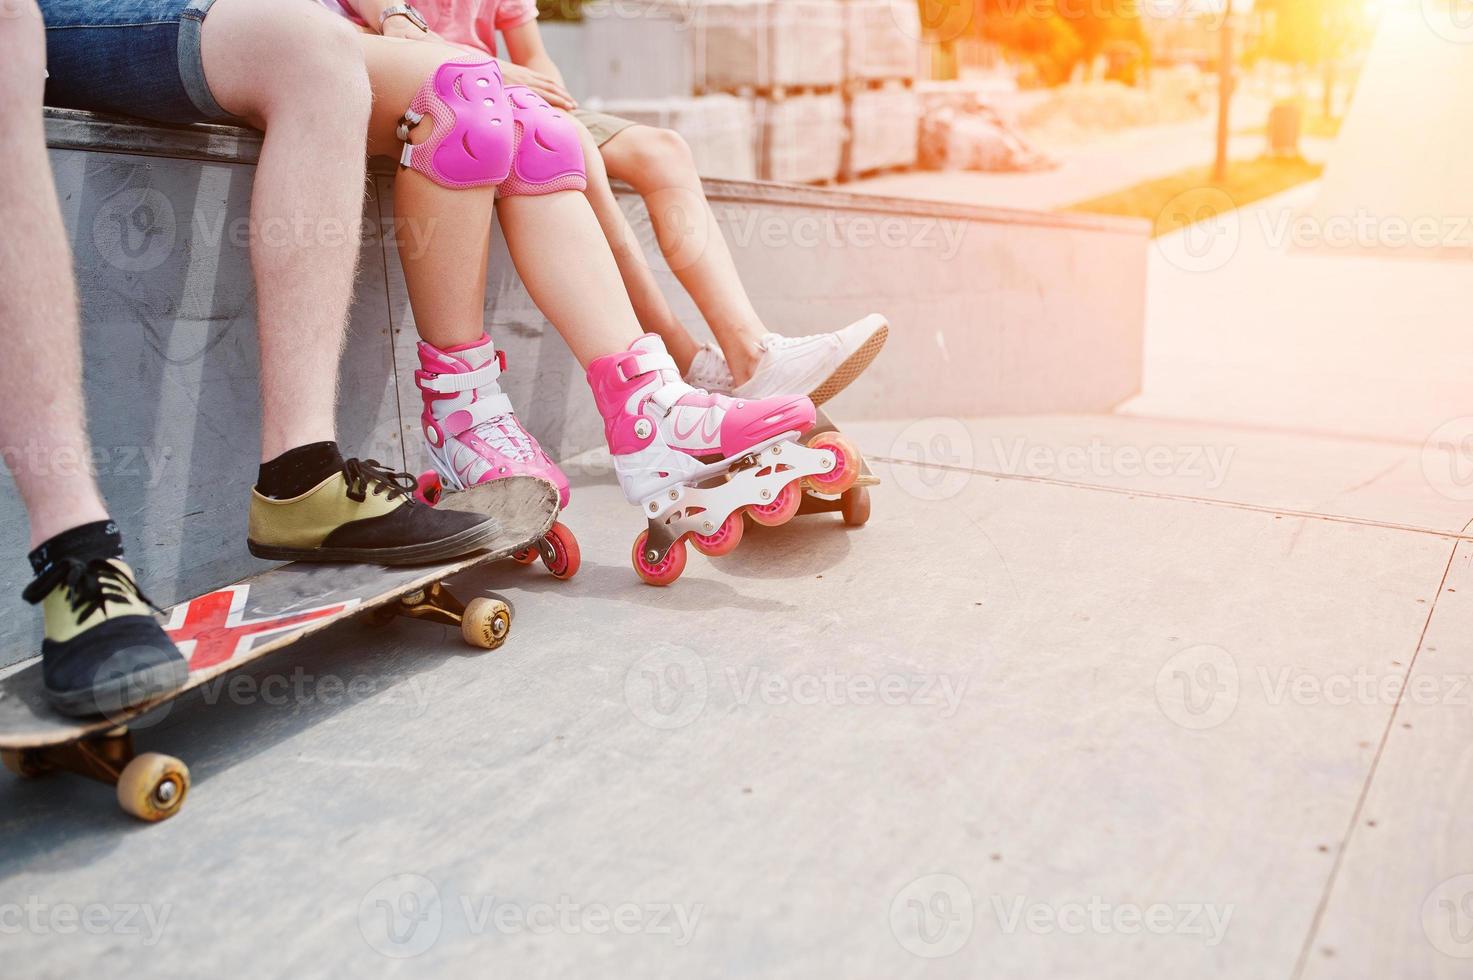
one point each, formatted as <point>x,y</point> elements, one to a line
<point>549,88</point>
<point>403,27</point>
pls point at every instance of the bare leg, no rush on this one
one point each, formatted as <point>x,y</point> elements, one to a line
<point>294,71</point>
<point>650,306</point>
<point>658,164</point>
<point>43,432</point>
<point>555,240</point>
<point>564,261</point>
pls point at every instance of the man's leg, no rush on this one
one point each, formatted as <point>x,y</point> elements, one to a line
<point>42,420</point>
<point>294,71</point>
<point>658,164</point>
<point>102,651</point>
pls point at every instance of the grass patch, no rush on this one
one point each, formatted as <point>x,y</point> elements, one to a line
<point>1179,199</point>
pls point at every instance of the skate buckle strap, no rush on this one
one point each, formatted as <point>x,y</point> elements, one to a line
<point>483,409</point>
<point>446,384</point>
<point>647,363</point>
<point>667,396</point>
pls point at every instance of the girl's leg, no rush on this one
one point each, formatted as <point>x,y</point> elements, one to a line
<point>658,164</point>
<point>443,234</point>
<point>650,306</point>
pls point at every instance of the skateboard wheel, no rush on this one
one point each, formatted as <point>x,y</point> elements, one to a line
<point>152,787</point>
<point>428,489</point>
<point>22,763</point>
<point>854,505</point>
<point>846,464</point>
<point>724,539</point>
<point>781,509</point>
<point>667,570</point>
<point>486,623</point>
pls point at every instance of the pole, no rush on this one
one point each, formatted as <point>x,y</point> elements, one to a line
<point>1225,84</point>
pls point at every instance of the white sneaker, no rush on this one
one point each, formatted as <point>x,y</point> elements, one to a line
<point>819,366</point>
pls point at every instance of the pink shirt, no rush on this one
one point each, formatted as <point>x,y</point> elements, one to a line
<point>469,22</point>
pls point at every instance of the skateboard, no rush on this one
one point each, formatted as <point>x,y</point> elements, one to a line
<point>229,628</point>
<point>852,504</point>
<point>558,548</point>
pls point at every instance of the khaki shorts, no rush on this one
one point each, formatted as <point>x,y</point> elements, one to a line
<point>601,125</point>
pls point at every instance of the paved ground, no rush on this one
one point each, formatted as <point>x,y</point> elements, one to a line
<point>1077,675</point>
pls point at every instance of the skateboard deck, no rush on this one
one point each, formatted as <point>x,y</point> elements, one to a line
<point>852,504</point>
<point>231,627</point>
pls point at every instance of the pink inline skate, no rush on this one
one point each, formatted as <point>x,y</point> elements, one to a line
<point>473,437</point>
<point>694,462</point>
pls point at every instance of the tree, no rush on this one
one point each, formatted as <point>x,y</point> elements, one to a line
<point>1314,34</point>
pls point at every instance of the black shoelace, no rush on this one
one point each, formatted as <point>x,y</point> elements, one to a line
<point>367,476</point>
<point>90,585</point>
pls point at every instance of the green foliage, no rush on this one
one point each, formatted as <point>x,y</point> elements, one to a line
<point>1311,32</point>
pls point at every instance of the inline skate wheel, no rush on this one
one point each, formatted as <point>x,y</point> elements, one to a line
<point>724,539</point>
<point>663,572</point>
<point>846,464</point>
<point>561,556</point>
<point>427,489</point>
<point>781,509</point>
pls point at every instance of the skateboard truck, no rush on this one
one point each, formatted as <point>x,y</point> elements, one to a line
<point>483,622</point>
<point>150,786</point>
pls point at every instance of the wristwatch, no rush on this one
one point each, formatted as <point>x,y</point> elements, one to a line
<point>403,10</point>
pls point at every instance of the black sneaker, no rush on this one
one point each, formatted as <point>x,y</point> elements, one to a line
<point>364,512</point>
<point>104,652</point>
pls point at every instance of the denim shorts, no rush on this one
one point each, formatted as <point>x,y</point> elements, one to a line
<point>133,57</point>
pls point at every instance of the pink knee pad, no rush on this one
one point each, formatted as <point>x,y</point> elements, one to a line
<point>548,155</point>
<point>475,130</point>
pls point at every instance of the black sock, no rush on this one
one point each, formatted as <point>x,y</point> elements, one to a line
<point>100,539</point>
<point>298,470</point>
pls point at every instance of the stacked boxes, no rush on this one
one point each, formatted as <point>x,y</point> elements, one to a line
<point>769,45</point>
<point>882,39</point>
<point>884,129</point>
<point>800,138</point>
<point>826,81</point>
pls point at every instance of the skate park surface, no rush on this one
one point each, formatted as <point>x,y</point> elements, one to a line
<point>1179,690</point>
